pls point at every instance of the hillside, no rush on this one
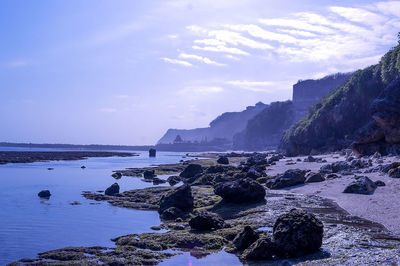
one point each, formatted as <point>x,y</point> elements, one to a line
<point>224,127</point>
<point>265,130</point>
<point>338,119</point>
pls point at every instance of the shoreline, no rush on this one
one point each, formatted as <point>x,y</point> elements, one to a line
<point>7,157</point>
<point>348,237</point>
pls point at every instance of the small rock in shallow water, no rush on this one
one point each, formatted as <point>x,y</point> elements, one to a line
<point>148,174</point>
<point>244,190</point>
<point>363,185</point>
<point>206,221</point>
<point>245,238</point>
<point>44,194</point>
<point>83,167</point>
<point>171,213</point>
<point>262,249</point>
<point>112,190</point>
<point>173,180</point>
<point>117,175</point>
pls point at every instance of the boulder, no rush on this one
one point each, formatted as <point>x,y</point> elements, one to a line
<point>243,190</point>
<point>310,159</point>
<point>336,167</point>
<point>158,181</point>
<point>386,168</point>
<point>206,221</point>
<point>83,167</point>
<point>262,249</point>
<point>44,194</point>
<point>362,185</point>
<point>112,190</point>
<point>380,183</point>
<point>253,173</point>
<point>117,175</point>
<point>394,172</point>
<point>149,174</point>
<point>297,233</point>
<point>215,169</point>
<point>290,178</point>
<point>171,213</point>
<point>191,170</point>
<point>173,180</point>
<point>312,177</point>
<point>180,198</point>
<point>245,238</point>
<point>152,152</point>
<point>223,160</point>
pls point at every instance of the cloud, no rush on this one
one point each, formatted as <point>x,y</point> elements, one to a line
<point>205,60</point>
<point>201,90</point>
<point>256,86</point>
<point>221,49</point>
<point>17,63</point>
<point>107,110</point>
<point>176,61</point>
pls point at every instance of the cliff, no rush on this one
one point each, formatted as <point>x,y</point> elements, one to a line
<point>345,115</point>
<point>265,130</point>
<point>224,127</point>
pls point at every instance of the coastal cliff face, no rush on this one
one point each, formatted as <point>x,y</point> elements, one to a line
<point>360,111</point>
<point>265,130</point>
<point>224,127</point>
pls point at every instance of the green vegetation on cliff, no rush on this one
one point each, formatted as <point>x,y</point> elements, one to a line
<point>333,122</point>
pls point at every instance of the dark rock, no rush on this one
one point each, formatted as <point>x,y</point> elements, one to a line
<point>44,194</point>
<point>275,158</point>
<point>394,172</point>
<point>173,180</point>
<point>363,185</point>
<point>310,159</point>
<point>191,170</point>
<point>152,153</point>
<point>253,173</point>
<point>180,197</point>
<point>50,168</point>
<point>245,238</point>
<point>117,175</point>
<point>215,169</point>
<point>380,183</point>
<point>158,181</point>
<point>171,213</point>
<point>336,167</point>
<point>223,160</point>
<point>290,178</point>
<point>297,233</point>
<point>149,174</point>
<point>388,167</point>
<point>360,163</point>
<point>240,191</point>
<point>112,190</point>
<point>83,167</point>
<point>312,177</point>
<point>206,221</point>
<point>331,176</point>
<point>262,249</point>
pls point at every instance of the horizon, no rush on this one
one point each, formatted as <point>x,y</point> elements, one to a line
<point>124,72</point>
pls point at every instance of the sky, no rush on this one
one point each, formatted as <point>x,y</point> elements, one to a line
<point>124,71</point>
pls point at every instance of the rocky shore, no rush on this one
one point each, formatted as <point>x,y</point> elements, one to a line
<point>45,156</point>
<point>263,208</point>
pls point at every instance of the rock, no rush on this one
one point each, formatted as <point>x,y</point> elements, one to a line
<point>50,168</point>
<point>155,228</point>
<point>290,178</point>
<point>253,173</point>
<point>158,181</point>
<point>380,183</point>
<point>243,190</point>
<point>388,167</point>
<point>363,185</point>
<point>215,169</point>
<point>191,170</point>
<point>331,176</point>
<point>180,197</point>
<point>171,213</point>
<point>310,159</point>
<point>336,167</point>
<point>83,167</point>
<point>245,238</point>
<point>173,180</point>
<point>117,175</point>
<point>297,233</point>
<point>377,155</point>
<point>275,158</point>
<point>112,190</point>
<point>152,152</point>
<point>262,249</point>
<point>223,160</point>
<point>44,194</point>
<point>149,174</point>
<point>360,163</point>
<point>394,172</point>
<point>206,221</point>
<point>312,177</point>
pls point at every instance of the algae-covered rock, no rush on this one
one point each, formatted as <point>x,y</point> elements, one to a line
<point>262,249</point>
<point>206,221</point>
<point>240,191</point>
<point>180,198</point>
<point>112,190</point>
<point>245,238</point>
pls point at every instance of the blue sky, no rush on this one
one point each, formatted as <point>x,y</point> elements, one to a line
<point>123,72</point>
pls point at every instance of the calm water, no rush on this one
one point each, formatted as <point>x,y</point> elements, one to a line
<point>29,225</point>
